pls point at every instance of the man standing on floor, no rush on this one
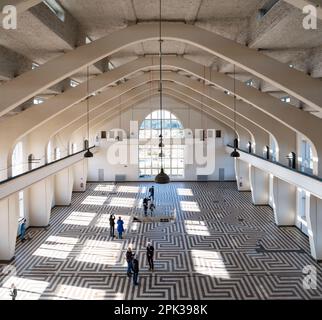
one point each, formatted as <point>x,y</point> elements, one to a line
<point>23,230</point>
<point>112,225</point>
<point>145,206</point>
<point>152,207</point>
<point>151,192</point>
<point>129,259</point>
<point>13,292</point>
<point>136,271</point>
<point>120,227</point>
<point>150,254</point>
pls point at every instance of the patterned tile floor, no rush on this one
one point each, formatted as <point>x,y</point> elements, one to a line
<point>219,247</point>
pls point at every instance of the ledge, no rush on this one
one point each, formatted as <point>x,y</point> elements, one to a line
<point>312,184</point>
<point>26,179</point>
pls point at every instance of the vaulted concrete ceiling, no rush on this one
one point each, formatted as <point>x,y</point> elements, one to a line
<point>41,36</point>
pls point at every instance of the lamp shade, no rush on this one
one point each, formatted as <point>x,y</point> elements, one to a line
<point>162,177</point>
<point>88,154</point>
<point>235,154</point>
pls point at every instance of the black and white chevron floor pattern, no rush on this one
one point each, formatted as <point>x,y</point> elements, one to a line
<point>220,246</point>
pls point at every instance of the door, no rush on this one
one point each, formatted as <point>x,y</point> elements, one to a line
<point>100,174</point>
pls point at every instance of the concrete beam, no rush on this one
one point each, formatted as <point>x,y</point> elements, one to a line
<point>271,22</point>
<point>67,31</point>
<point>12,64</point>
<point>21,5</point>
<point>292,81</point>
<point>300,4</point>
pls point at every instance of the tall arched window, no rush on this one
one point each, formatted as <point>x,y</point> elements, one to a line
<point>149,160</point>
<point>57,153</point>
<point>49,152</point>
<point>17,160</point>
<point>18,168</point>
<point>306,157</point>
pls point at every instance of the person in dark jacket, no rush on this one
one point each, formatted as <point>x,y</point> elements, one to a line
<point>151,193</point>
<point>151,207</point>
<point>129,259</point>
<point>145,207</point>
<point>13,292</point>
<point>112,225</point>
<point>136,271</point>
<point>149,255</point>
<point>120,227</point>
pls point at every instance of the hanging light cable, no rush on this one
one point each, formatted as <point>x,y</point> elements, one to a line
<point>204,127</point>
<point>235,153</point>
<point>88,153</point>
<point>162,177</point>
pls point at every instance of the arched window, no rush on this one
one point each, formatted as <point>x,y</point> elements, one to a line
<point>57,153</point>
<point>149,160</point>
<point>18,168</point>
<point>17,160</point>
<point>307,157</point>
<point>73,148</point>
<point>49,152</point>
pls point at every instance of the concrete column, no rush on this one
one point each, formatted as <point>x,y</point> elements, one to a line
<point>314,224</point>
<point>242,175</point>
<point>40,202</point>
<point>64,181</point>
<point>284,202</point>
<point>9,215</point>
<point>80,176</point>
<point>259,184</point>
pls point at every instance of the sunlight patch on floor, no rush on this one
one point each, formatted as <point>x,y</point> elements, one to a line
<point>197,228</point>
<point>184,192</point>
<point>191,206</point>
<point>94,200</point>
<point>105,188</point>
<point>58,249</point>
<point>27,289</point>
<point>80,218</point>
<point>122,202</point>
<point>209,263</point>
<point>67,292</point>
<point>128,189</point>
<point>101,252</point>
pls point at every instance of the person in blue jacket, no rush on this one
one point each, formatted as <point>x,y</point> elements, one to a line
<point>23,230</point>
<point>120,227</point>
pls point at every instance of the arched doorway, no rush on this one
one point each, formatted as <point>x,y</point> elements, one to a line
<point>149,160</point>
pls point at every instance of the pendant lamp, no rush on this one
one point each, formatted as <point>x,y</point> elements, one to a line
<point>235,153</point>
<point>88,153</point>
<point>162,177</point>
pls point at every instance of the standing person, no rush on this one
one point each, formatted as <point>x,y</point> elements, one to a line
<point>120,227</point>
<point>152,207</point>
<point>112,225</point>
<point>13,292</point>
<point>23,230</point>
<point>129,259</point>
<point>150,254</point>
<point>151,192</point>
<point>135,271</point>
<point>145,206</point>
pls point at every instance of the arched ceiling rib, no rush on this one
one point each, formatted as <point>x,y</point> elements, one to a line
<point>294,82</point>
<point>243,132</point>
<point>38,114</point>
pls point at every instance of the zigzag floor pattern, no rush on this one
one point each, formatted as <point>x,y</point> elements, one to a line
<point>219,247</point>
